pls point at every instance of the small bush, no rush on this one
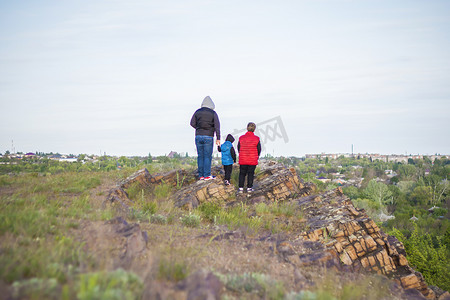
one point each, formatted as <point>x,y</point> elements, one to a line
<point>36,288</point>
<point>191,220</point>
<point>209,210</point>
<point>172,270</point>
<point>149,207</point>
<point>117,284</point>
<point>158,219</point>
<point>262,285</point>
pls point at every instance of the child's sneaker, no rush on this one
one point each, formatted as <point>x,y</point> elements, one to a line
<point>210,178</point>
<point>201,178</point>
<point>227,182</point>
<point>241,190</point>
<point>249,190</point>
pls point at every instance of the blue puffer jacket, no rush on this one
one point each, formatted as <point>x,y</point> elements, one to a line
<point>228,153</point>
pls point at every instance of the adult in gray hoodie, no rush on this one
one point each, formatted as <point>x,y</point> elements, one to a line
<point>205,121</point>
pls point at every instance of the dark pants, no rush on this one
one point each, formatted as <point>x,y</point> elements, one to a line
<point>228,169</point>
<point>245,170</point>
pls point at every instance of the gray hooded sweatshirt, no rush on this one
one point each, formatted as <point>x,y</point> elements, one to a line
<point>205,120</point>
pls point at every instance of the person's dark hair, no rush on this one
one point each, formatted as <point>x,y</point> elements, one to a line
<point>251,127</point>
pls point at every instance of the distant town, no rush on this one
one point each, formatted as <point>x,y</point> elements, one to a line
<point>399,158</point>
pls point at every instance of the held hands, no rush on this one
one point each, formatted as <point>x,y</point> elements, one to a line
<point>218,142</point>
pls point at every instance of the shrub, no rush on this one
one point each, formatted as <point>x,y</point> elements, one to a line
<point>149,207</point>
<point>209,210</point>
<point>191,220</point>
<point>262,285</point>
<point>158,219</point>
<point>117,284</point>
<point>172,270</point>
<point>432,262</point>
<point>36,288</point>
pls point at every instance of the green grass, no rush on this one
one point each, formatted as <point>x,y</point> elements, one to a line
<point>237,218</point>
<point>59,257</point>
<point>117,284</point>
<point>209,210</point>
<point>162,191</point>
<point>34,219</point>
<point>173,270</point>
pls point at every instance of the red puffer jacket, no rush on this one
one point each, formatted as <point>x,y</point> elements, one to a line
<point>248,151</point>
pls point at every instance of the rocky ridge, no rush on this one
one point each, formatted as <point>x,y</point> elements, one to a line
<point>339,235</point>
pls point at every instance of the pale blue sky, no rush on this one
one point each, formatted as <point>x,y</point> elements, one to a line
<point>124,77</point>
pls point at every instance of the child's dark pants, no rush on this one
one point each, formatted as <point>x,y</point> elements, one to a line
<point>228,169</point>
<point>245,170</point>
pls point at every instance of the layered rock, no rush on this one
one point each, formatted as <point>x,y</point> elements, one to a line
<point>203,191</point>
<point>357,240</point>
<point>274,182</point>
<point>118,197</point>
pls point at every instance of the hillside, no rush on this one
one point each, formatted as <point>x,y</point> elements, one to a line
<point>168,236</point>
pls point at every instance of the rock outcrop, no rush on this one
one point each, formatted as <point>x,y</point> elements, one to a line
<point>348,233</point>
<point>118,198</point>
<point>344,237</point>
<point>274,182</point>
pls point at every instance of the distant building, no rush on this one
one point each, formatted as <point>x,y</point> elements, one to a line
<point>172,154</point>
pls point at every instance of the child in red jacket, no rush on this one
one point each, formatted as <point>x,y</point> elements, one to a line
<point>249,148</point>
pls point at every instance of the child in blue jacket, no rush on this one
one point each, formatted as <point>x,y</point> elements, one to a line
<point>228,157</point>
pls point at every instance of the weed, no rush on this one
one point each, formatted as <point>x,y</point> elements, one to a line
<point>117,284</point>
<point>209,210</point>
<point>149,207</point>
<point>180,182</point>
<point>237,217</point>
<point>262,208</point>
<point>137,215</point>
<point>262,285</point>
<point>162,191</point>
<point>191,220</point>
<point>283,209</point>
<point>172,270</point>
<point>36,288</point>
<point>158,219</point>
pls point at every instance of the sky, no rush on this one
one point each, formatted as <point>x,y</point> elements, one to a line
<point>125,77</point>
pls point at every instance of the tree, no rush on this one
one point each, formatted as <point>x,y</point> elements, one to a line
<point>406,172</point>
<point>421,195</point>
<point>378,192</point>
<point>438,187</point>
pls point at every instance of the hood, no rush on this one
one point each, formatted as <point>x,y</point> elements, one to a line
<point>230,138</point>
<point>207,102</point>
